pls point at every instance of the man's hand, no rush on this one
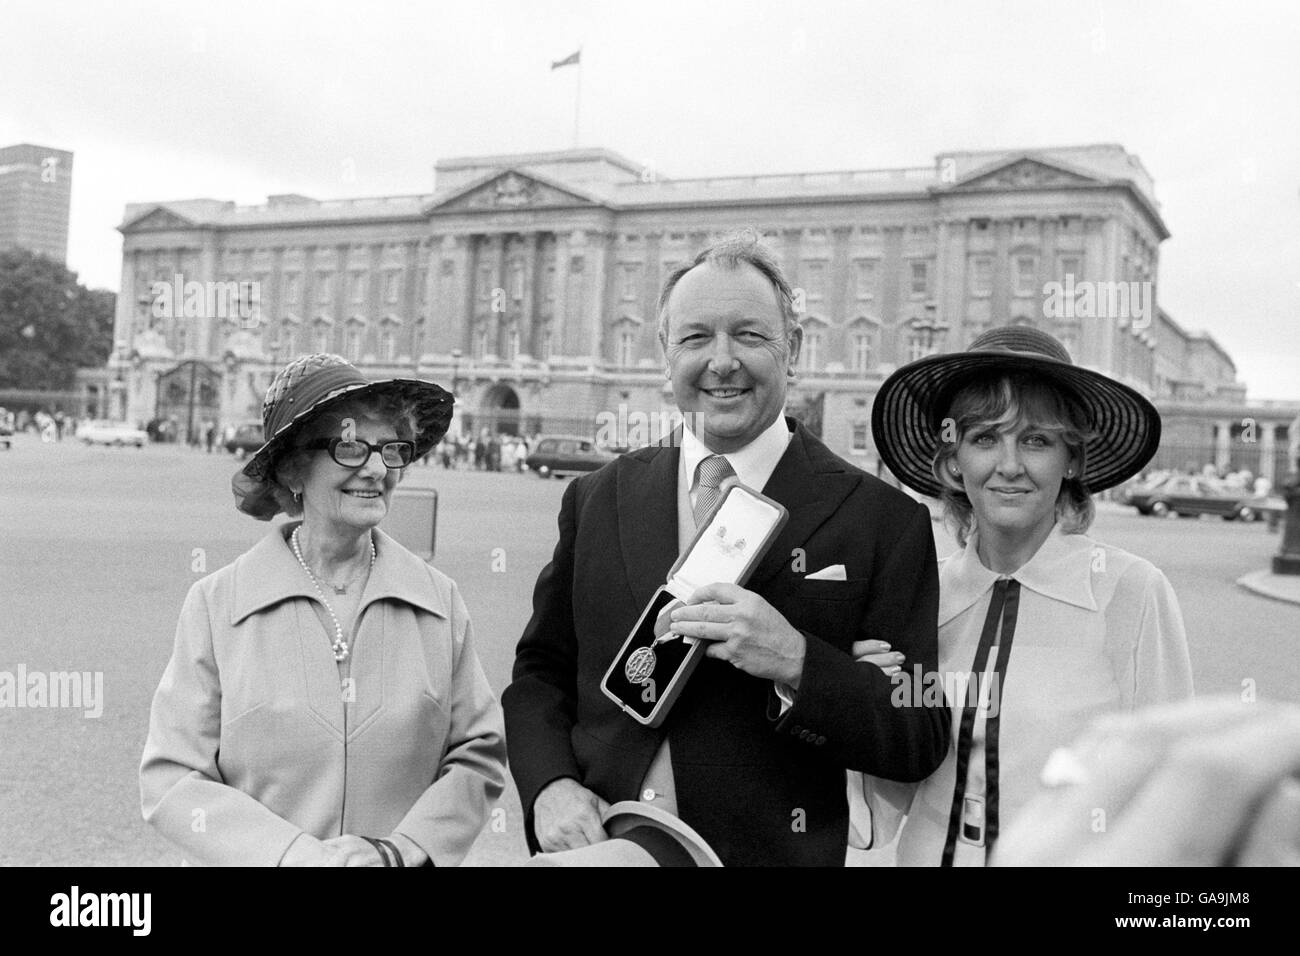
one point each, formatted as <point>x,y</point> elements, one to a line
<point>566,816</point>
<point>412,853</point>
<point>747,632</point>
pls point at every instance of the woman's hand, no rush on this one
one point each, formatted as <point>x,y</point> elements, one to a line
<point>412,855</point>
<point>349,850</point>
<point>878,653</point>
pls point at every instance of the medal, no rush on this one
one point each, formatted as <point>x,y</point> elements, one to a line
<point>640,665</point>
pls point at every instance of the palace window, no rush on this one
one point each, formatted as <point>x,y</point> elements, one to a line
<point>547,341</point>
<point>626,348</point>
<point>815,280</point>
<point>1070,266</point>
<point>387,344</point>
<point>292,287</point>
<point>860,355</point>
<point>392,285</point>
<point>358,287</point>
<point>324,287</point>
<point>1026,275</point>
<point>631,281</point>
<point>860,436</point>
<point>810,355</point>
<point>920,279</point>
<point>352,342</point>
<point>864,279</point>
<point>981,276</point>
<point>480,343</point>
<point>512,343</point>
<point>320,338</point>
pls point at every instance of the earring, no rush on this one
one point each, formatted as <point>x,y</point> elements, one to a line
<point>297,497</point>
<point>956,473</point>
<point>1069,473</point>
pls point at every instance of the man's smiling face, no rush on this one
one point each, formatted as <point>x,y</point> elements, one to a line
<point>728,354</point>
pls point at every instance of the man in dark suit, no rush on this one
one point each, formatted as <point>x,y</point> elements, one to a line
<point>754,752</point>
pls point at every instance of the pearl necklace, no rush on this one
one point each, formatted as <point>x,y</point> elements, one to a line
<point>340,646</point>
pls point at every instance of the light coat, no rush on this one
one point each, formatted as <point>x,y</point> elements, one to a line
<point>254,739</point>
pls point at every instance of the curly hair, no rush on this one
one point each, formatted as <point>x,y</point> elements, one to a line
<point>1005,401</point>
<point>288,464</point>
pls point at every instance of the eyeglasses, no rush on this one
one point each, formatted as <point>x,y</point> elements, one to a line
<point>355,453</point>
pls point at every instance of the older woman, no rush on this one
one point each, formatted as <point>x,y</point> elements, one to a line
<point>1040,627</point>
<point>324,704</point>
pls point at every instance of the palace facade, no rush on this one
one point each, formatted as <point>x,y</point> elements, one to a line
<point>529,283</point>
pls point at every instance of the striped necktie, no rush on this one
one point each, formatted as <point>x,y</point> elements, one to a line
<point>999,629</point>
<point>711,473</point>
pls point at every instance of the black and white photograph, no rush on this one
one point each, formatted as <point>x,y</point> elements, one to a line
<point>367,370</point>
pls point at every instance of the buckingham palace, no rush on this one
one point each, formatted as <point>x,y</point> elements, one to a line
<point>528,284</point>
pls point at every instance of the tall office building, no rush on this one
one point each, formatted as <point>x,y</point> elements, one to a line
<point>35,193</point>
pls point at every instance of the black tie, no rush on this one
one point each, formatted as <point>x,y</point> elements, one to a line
<point>1002,611</point>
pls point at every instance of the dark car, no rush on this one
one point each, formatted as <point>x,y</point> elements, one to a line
<point>1189,495</point>
<point>561,455</point>
<point>246,439</point>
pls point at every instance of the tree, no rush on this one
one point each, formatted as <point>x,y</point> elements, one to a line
<point>50,324</point>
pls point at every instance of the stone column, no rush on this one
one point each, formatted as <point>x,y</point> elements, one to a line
<point>528,305</point>
<point>495,319</point>
<point>599,246</point>
<point>208,343</point>
<point>1267,453</point>
<point>1222,443</point>
<point>559,305</point>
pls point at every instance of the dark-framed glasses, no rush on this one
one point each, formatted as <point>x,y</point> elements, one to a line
<point>353,453</point>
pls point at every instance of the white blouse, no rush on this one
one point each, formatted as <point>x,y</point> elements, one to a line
<point>1097,630</point>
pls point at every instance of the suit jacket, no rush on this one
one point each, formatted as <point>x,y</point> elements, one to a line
<point>760,786</point>
<point>253,743</point>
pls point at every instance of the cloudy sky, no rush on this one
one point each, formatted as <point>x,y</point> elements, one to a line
<point>237,99</point>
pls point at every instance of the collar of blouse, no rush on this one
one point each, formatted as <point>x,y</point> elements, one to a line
<point>1060,570</point>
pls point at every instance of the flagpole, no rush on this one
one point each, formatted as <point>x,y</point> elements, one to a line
<point>577,101</point>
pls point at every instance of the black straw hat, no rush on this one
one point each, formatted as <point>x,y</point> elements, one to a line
<point>909,409</point>
<point>309,385</point>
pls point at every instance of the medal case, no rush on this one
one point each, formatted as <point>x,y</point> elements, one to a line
<point>647,675</point>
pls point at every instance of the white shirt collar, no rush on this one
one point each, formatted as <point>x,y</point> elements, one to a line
<point>1061,569</point>
<point>752,464</point>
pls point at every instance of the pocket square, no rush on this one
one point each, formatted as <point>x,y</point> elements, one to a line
<point>833,573</point>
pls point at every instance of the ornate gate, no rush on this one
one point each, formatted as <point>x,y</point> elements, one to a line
<point>191,395</point>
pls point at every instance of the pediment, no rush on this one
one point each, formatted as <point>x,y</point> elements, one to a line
<point>510,190</point>
<point>158,220</point>
<point>1024,173</point>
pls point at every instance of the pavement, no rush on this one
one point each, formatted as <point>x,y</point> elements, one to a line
<point>98,547</point>
<point>1279,587</point>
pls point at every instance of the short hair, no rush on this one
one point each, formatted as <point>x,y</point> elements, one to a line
<point>729,252</point>
<point>402,413</point>
<point>1007,400</point>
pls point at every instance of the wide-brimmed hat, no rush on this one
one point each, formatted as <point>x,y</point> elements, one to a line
<point>907,417</point>
<point>619,850</point>
<point>313,384</point>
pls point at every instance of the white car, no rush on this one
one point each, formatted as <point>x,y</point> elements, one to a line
<point>103,432</point>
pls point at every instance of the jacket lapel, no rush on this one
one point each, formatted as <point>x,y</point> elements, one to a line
<point>811,482</point>
<point>647,519</point>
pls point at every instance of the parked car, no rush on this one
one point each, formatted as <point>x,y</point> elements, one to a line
<point>104,432</point>
<point>6,434</point>
<point>246,439</point>
<point>1271,506</point>
<point>1189,495</point>
<point>561,455</point>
